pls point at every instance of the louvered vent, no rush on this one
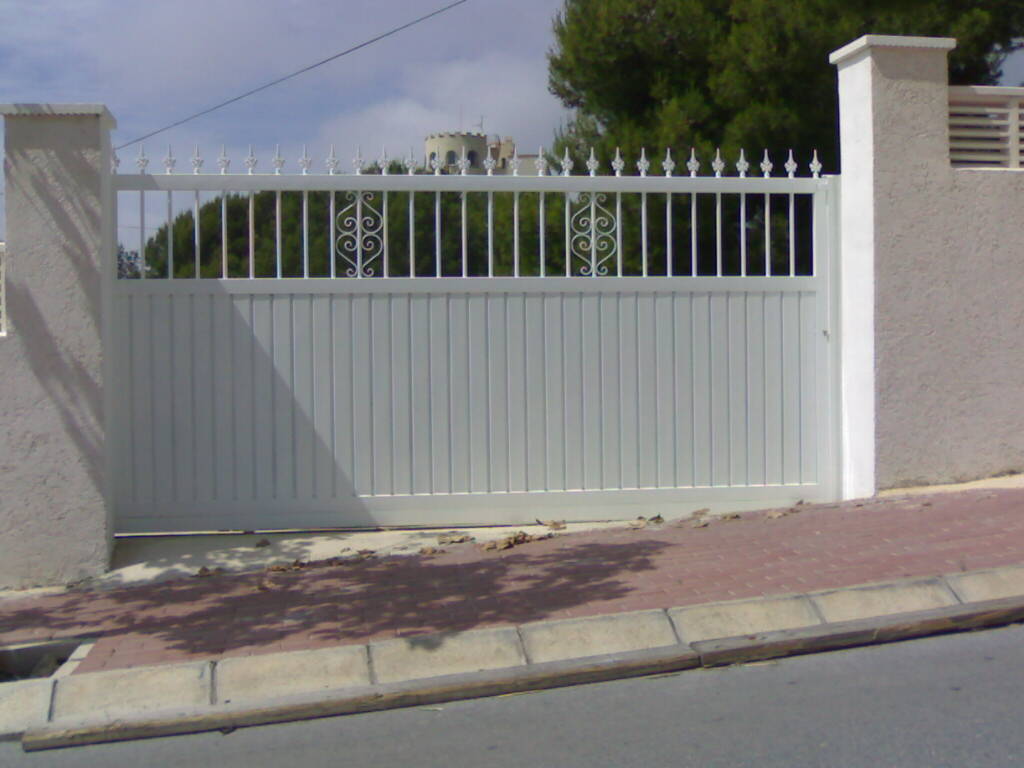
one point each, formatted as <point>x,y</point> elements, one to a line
<point>985,126</point>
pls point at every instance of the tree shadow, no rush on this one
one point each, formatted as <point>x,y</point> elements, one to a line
<point>347,600</point>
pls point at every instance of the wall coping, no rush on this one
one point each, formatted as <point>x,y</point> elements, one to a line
<point>866,42</point>
<point>57,110</point>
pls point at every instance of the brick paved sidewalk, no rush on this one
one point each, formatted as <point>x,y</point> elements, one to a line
<point>582,574</point>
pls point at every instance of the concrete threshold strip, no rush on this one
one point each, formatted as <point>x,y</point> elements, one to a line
<point>232,693</point>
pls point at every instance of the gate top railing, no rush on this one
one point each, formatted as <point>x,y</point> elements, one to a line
<point>407,220</point>
<point>985,126</point>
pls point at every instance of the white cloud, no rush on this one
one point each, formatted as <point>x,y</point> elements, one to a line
<point>156,61</point>
<point>508,92</point>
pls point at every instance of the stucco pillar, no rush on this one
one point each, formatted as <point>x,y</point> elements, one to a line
<point>55,524</point>
<point>893,118</point>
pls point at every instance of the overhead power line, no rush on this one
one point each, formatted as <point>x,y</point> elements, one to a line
<point>296,73</point>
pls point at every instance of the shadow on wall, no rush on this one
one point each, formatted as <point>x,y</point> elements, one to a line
<point>74,392</point>
<point>64,361</point>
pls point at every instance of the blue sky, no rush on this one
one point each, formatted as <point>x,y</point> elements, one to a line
<point>154,61</point>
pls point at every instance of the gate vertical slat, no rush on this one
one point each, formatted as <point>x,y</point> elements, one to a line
<point>647,391</point>
<point>243,363</point>
<point>163,418</point>
<point>401,383</point>
<point>283,397</point>
<point>321,352</point>
<point>183,402</point>
<point>536,371</point>
<point>421,456</point>
<point>477,403</point>
<point>302,396</point>
<point>665,409</point>
<point>791,385</point>
<point>774,425</point>
<point>382,425</point>
<point>439,382</point>
<point>458,351</point>
<point>264,377</point>
<point>515,335</point>
<point>810,390</point>
<point>721,402</point>
<point>202,394</point>
<point>554,382</point>
<point>736,388</point>
<point>343,378</point>
<point>222,395</point>
<point>497,396</point>
<point>572,399</point>
<point>590,321</point>
<point>683,395</point>
<point>629,450</point>
<point>755,390</point>
<point>364,401</point>
<point>701,367</point>
<point>612,315</point>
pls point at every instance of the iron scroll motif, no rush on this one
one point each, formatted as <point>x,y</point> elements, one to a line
<point>360,242</point>
<point>593,240</point>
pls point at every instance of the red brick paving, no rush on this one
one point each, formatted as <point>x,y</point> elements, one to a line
<point>576,575</point>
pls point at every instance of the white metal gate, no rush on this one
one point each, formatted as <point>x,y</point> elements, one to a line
<point>275,402</point>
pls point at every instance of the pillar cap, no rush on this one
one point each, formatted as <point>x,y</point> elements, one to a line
<point>862,44</point>
<point>57,110</point>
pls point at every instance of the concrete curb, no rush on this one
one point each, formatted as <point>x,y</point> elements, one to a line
<point>473,680</point>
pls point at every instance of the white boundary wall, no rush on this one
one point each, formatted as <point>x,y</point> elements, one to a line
<point>53,512</point>
<point>932,280</point>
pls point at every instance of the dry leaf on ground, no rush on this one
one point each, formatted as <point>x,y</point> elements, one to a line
<point>554,525</point>
<point>731,516</point>
<point>453,537</point>
<point>657,520</point>
<point>431,551</point>
<point>699,524</point>
<point>262,543</point>
<point>514,540</point>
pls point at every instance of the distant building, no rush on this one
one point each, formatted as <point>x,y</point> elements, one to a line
<point>447,148</point>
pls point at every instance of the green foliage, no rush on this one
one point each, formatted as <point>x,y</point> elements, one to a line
<point>423,246</point>
<point>660,230</point>
<point>741,73</point>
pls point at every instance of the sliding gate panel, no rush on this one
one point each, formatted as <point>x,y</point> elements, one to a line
<point>324,403</point>
<point>306,351</point>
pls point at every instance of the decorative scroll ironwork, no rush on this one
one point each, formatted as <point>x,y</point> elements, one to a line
<point>361,239</point>
<point>593,234</point>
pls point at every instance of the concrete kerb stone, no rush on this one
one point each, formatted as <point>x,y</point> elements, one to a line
<point>596,635</point>
<point>987,585</point>
<point>445,653</point>
<point>23,704</point>
<point>883,599</point>
<point>128,692</point>
<point>743,617</point>
<point>250,678</point>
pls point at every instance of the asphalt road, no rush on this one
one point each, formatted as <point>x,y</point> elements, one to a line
<point>943,701</point>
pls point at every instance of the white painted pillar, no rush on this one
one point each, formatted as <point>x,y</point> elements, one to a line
<point>55,524</point>
<point>893,115</point>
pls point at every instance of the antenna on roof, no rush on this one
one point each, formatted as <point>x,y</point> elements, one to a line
<point>480,125</point>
